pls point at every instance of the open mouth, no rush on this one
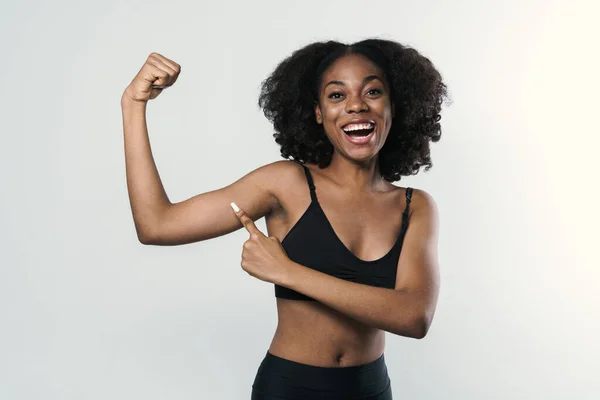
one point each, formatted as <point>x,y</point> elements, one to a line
<point>359,133</point>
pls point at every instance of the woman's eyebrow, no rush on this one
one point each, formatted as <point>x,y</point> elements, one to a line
<point>366,80</point>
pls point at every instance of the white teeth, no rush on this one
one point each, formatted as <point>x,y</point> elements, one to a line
<point>356,127</point>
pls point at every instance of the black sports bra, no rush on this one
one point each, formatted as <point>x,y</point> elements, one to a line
<point>312,242</point>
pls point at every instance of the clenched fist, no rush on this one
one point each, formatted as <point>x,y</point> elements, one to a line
<point>157,73</point>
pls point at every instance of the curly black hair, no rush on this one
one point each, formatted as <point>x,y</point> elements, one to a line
<point>289,94</point>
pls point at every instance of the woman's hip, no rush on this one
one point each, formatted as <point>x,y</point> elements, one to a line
<point>281,379</point>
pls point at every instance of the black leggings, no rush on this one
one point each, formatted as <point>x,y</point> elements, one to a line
<point>281,379</point>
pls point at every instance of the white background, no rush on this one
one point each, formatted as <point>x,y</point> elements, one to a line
<point>87,312</point>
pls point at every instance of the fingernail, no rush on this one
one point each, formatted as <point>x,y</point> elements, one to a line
<point>235,207</point>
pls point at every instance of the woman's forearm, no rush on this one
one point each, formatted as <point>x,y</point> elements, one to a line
<point>147,195</point>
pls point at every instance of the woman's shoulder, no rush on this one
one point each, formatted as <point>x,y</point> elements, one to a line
<point>282,168</point>
<point>422,201</point>
<point>280,174</point>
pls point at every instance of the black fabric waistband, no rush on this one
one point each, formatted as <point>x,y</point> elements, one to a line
<point>277,376</point>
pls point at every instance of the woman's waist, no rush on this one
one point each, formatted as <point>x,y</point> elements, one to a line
<point>281,376</point>
<point>326,344</point>
<point>315,320</point>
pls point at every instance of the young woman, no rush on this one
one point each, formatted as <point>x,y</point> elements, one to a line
<point>350,255</point>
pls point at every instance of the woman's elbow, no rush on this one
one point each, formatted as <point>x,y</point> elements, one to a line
<point>419,327</point>
<point>422,327</point>
<point>147,236</point>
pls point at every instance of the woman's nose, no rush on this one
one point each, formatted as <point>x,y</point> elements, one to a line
<point>356,104</point>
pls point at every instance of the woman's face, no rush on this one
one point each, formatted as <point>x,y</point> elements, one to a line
<point>354,107</point>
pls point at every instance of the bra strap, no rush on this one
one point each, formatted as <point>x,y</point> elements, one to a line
<point>409,191</point>
<point>311,184</point>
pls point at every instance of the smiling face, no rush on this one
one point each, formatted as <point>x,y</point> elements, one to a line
<point>354,107</point>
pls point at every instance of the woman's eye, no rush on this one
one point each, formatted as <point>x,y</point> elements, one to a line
<point>338,95</point>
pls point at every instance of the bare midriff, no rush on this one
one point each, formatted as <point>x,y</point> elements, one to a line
<point>309,332</point>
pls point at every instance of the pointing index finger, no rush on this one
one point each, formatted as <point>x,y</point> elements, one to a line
<point>245,220</point>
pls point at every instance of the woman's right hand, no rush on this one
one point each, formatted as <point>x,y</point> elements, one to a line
<point>157,73</point>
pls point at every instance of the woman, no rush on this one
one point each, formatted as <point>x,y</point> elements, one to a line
<point>351,255</point>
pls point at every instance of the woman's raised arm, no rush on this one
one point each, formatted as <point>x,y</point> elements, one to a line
<point>204,216</point>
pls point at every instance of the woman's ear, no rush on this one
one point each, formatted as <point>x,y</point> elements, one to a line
<point>318,114</point>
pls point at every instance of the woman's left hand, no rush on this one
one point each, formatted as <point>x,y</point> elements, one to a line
<point>262,257</point>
